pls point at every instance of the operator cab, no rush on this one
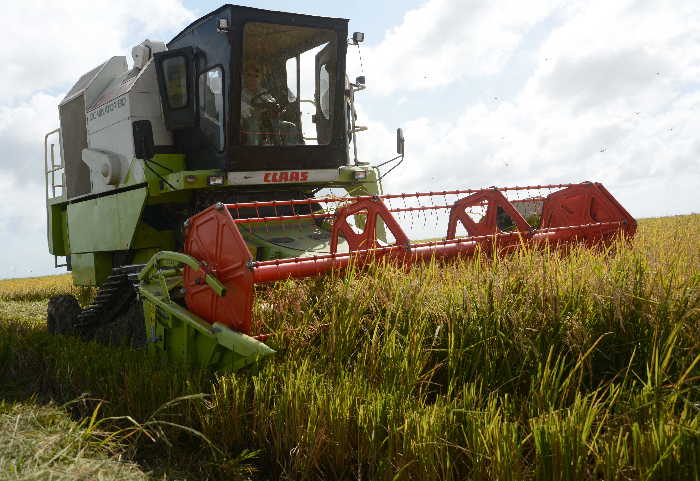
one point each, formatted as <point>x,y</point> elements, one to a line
<point>250,89</point>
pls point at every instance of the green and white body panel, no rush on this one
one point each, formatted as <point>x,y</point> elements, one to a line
<point>93,229</point>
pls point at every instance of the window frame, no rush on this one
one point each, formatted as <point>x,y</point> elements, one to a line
<point>222,144</point>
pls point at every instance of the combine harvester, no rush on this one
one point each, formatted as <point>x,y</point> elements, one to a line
<point>183,182</point>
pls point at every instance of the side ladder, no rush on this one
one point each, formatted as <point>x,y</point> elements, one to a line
<point>52,170</point>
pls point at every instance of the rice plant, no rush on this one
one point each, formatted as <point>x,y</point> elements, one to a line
<point>538,365</point>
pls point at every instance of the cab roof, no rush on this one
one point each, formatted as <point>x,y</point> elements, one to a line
<point>252,13</point>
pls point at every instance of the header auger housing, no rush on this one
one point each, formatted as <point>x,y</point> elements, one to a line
<point>186,180</point>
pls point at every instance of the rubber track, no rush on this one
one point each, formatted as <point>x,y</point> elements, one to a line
<point>114,296</point>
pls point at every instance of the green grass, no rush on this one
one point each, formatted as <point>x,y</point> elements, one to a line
<point>537,365</point>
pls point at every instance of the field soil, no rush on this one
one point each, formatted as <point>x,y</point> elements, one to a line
<point>540,365</point>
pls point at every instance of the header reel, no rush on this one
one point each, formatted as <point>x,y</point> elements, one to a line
<point>219,271</point>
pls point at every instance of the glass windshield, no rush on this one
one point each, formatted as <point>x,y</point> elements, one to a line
<point>288,79</point>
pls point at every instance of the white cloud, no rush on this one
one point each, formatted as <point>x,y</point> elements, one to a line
<point>48,44</point>
<point>591,107</point>
<point>444,41</point>
<point>22,130</point>
<point>632,51</point>
<point>604,78</point>
<point>23,229</point>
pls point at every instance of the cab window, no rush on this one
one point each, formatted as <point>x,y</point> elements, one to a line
<point>211,106</point>
<point>287,85</point>
<point>175,70</point>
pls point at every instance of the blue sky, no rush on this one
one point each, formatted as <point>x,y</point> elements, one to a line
<point>489,92</point>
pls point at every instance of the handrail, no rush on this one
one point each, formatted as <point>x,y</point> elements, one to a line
<point>53,168</point>
<point>179,258</point>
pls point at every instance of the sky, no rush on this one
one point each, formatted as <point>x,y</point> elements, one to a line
<point>488,92</point>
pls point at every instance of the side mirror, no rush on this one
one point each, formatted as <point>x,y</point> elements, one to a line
<point>358,37</point>
<point>400,141</point>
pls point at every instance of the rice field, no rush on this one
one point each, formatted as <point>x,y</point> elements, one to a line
<point>35,288</point>
<point>534,366</point>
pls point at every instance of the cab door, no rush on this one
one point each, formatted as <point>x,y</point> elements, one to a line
<point>325,92</point>
<point>175,71</point>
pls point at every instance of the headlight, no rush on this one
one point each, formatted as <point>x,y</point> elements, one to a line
<point>215,180</point>
<point>360,174</point>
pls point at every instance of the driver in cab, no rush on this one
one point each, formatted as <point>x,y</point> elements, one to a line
<point>261,111</point>
<point>251,133</point>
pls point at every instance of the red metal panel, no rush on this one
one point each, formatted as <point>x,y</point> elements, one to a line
<point>488,225</point>
<point>586,203</point>
<point>374,208</point>
<point>629,223</point>
<point>213,238</point>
